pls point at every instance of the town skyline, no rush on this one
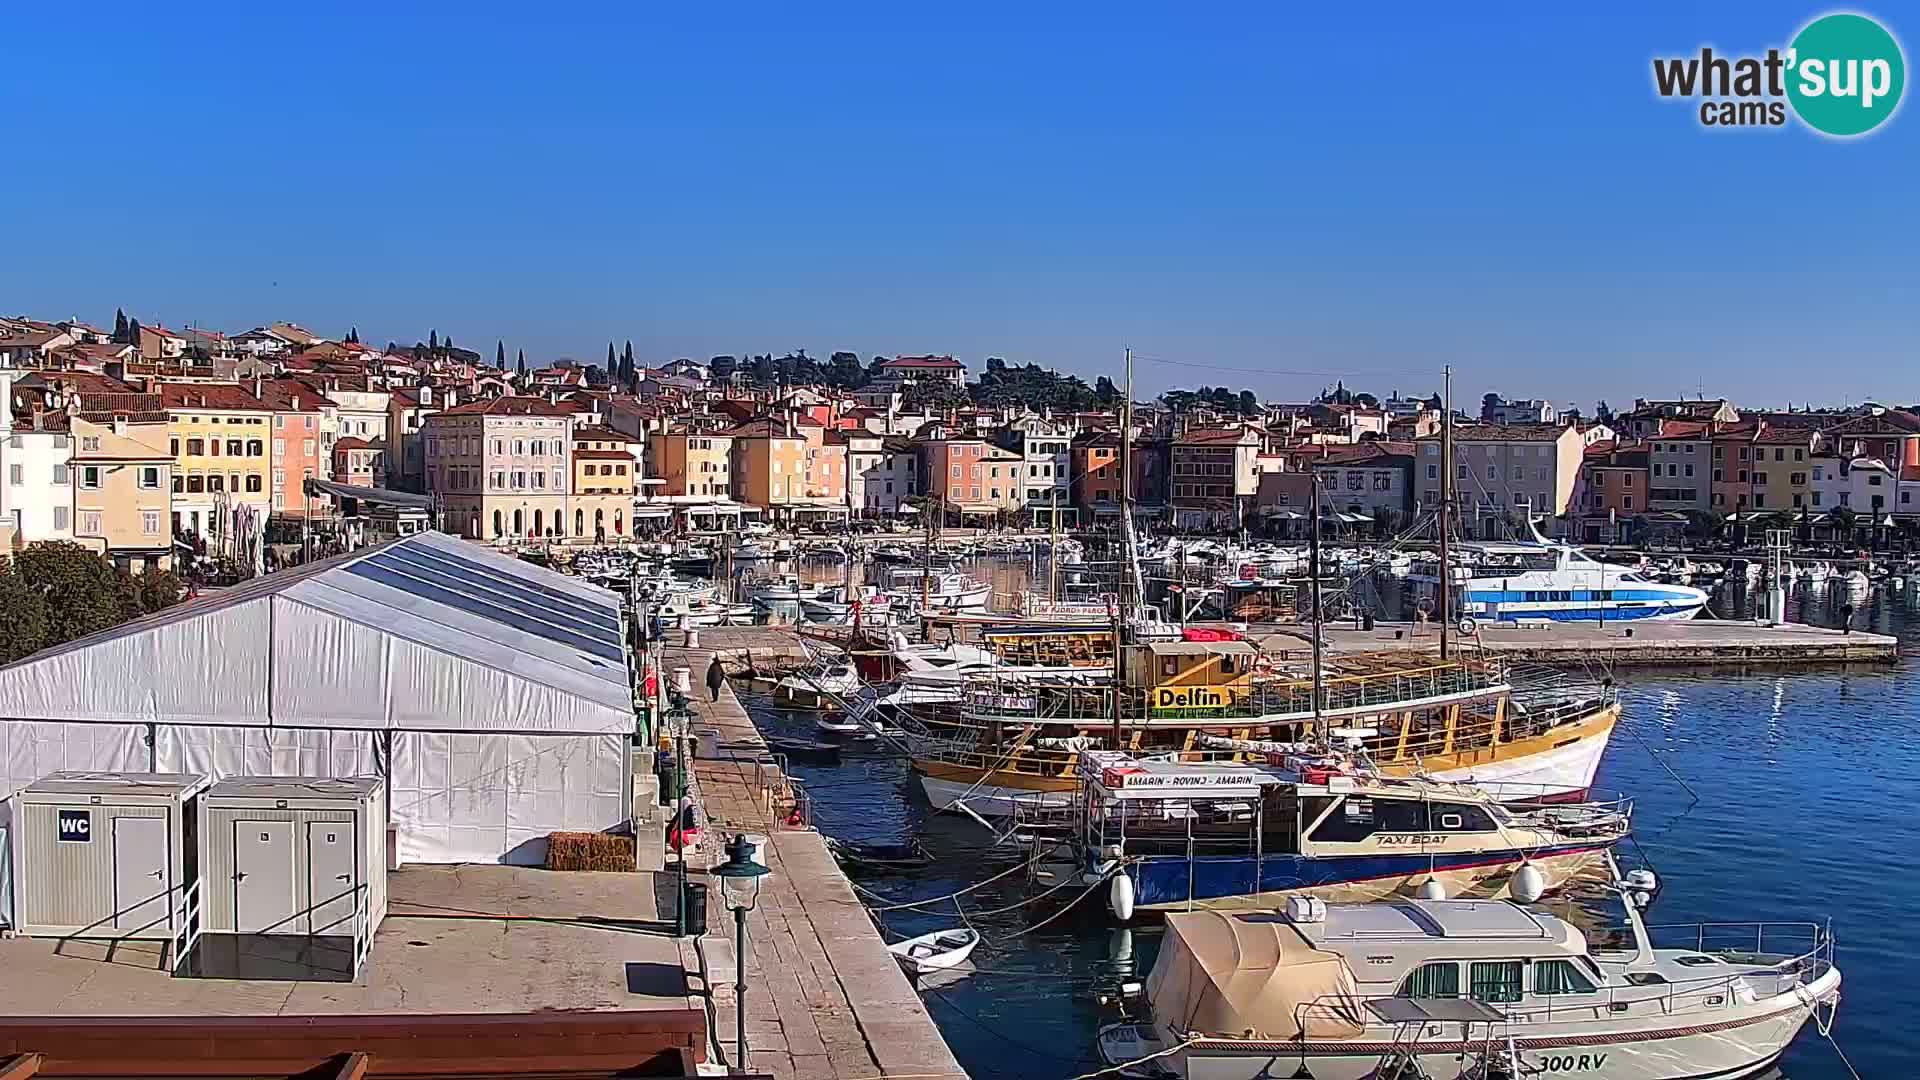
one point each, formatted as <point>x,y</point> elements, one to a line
<point>1185,187</point>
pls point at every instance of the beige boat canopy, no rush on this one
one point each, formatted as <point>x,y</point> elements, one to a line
<point>1249,975</point>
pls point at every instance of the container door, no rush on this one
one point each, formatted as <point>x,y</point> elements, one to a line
<point>263,878</point>
<point>139,872</point>
<point>331,881</point>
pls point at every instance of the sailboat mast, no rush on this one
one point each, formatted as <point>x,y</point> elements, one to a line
<point>1446,503</point>
<point>1313,572</point>
<point>1129,564</point>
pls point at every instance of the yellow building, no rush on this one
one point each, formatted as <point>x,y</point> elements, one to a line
<point>122,490</point>
<point>605,471</point>
<point>769,465</point>
<point>218,434</point>
<point>694,463</point>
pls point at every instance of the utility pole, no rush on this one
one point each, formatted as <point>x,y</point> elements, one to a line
<point>1446,505</point>
<point>1313,585</point>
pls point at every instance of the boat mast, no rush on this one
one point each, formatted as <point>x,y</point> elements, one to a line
<point>1053,548</point>
<point>1446,503</point>
<point>1313,586</point>
<point>1129,567</point>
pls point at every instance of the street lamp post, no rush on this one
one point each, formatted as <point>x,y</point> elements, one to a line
<point>740,883</point>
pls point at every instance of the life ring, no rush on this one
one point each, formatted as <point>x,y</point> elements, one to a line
<point>1468,626</point>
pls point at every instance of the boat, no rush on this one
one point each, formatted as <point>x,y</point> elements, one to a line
<point>838,603</point>
<point>750,550</point>
<point>1460,988</point>
<point>881,858</point>
<point>839,724</point>
<point>934,590</point>
<point>808,749</point>
<point>1016,735</point>
<point>821,687</point>
<point>1172,835</point>
<point>785,588</point>
<point>938,951</point>
<point>1552,581</point>
<point>687,610</point>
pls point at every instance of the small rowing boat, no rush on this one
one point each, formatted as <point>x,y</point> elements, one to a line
<point>938,951</point>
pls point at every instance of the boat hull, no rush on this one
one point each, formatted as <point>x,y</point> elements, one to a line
<point>1557,765</point>
<point>1728,1042</point>
<point>1235,884</point>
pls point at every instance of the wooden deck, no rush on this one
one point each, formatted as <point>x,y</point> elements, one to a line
<point>825,1000</point>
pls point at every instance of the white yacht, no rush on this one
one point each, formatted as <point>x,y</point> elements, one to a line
<point>940,590</point>
<point>1446,988</point>
<point>822,687</point>
<point>1554,581</point>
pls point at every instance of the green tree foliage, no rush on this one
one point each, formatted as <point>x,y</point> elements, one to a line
<point>1217,398</point>
<point>1105,394</point>
<point>500,354</point>
<point>844,371</point>
<point>119,326</point>
<point>353,335</point>
<point>56,591</point>
<point>935,394</point>
<point>1031,385</point>
<point>433,341</point>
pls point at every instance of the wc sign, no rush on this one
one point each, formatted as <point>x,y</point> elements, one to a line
<point>76,827</point>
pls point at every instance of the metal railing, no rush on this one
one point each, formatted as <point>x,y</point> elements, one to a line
<point>362,927</point>
<point>186,925</point>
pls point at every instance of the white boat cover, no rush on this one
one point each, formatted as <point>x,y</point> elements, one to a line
<point>1234,974</point>
<point>501,688</point>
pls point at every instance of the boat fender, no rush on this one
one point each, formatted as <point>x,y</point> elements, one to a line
<point>1528,884</point>
<point>1431,889</point>
<point>1120,897</point>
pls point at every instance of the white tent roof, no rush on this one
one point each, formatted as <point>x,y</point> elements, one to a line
<point>426,633</point>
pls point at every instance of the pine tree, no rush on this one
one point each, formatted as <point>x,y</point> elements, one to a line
<point>119,325</point>
<point>500,355</point>
<point>433,341</point>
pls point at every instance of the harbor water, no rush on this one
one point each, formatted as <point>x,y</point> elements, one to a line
<point>1783,795</point>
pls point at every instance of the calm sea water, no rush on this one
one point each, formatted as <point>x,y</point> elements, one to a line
<point>1800,808</point>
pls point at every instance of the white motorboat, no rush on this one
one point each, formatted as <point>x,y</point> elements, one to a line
<point>750,550</point>
<point>688,610</point>
<point>1443,988</point>
<point>938,951</point>
<point>940,591</point>
<point>823,687</point>
<point>785,588</point>
<point>836,605</point>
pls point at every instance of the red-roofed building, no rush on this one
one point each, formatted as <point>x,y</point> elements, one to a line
<point>924,368</point>
<point>1215,476</point>
<point>359,462</point>
<point>1614,482</point>
<point>223,490</point>
<point>501,468</point>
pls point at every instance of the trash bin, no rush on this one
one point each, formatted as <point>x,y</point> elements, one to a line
<point>1366,622</point>
<point>696,908</point>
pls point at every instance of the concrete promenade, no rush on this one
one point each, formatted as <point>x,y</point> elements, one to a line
<point>825,1000</point>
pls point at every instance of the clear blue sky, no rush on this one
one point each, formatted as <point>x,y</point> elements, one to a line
<point>1260,187</point>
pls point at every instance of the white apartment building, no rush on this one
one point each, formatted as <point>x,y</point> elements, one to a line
<point>881,473</point>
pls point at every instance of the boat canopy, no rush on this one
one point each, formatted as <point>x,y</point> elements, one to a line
<point>1230,974</point>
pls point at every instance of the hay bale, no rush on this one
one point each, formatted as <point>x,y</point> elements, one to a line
<point>590,851</point>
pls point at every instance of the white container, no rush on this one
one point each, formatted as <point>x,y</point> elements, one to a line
<point>294,855</point>
<point>104,855</point>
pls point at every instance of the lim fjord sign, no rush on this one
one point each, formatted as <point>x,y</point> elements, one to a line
<point>1190,697</point>
<point>1843,75</point>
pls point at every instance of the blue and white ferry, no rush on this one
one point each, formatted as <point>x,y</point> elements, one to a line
<point>1549,580</point>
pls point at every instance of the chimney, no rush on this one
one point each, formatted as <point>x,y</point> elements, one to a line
<point>256,384</point>
<point>426,395</point>
<point>295,399</point>
<point>120,424</point>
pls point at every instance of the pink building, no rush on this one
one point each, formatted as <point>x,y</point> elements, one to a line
<point>297,455</point>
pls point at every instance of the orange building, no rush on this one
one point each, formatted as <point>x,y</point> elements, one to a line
<point>1095,465</point>
<point>297,452</point>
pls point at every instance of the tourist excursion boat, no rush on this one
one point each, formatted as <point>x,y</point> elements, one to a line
<point>1460,988</point>
<point>1553,581</point>
<point>935,590</point>
<point>1016,736</point>
<point>837,604</point>
<point>1165,835</point>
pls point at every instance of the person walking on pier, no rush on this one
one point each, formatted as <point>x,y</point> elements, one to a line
<point>716,677</point>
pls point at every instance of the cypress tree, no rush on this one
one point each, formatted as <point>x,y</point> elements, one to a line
<point>523,364</point>
<point>119,325</point>
<point>611,364</point>
<point>500,355</point>
<point>433,341</point>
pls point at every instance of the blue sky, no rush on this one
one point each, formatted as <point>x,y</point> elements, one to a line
<point>1267,190</point>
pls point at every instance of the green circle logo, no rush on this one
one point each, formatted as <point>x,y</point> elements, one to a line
<point>1845,74</point>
